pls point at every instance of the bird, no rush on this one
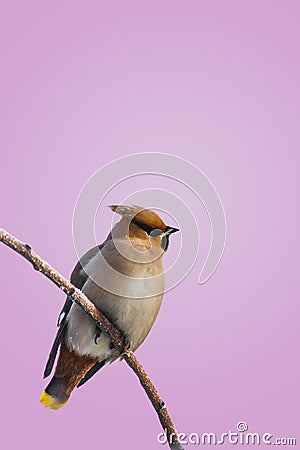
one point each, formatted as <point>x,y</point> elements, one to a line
<point>125,280</point>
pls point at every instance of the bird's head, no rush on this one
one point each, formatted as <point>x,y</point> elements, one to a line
<point>143,223</point>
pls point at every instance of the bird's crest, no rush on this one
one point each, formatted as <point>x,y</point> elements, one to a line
<point>140,215</point>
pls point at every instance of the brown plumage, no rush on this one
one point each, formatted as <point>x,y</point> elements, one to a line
<point>124,278</point>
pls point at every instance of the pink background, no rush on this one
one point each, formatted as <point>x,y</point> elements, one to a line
<point>217,83</point>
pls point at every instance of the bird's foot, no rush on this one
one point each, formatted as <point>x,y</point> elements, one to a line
<point>162,405</point>
<point>126,344</point>
<point>97,335</point>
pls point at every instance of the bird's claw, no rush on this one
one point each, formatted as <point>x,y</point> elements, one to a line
<point>97,335</point>
<point>126,344</point>
<point>162,405</point>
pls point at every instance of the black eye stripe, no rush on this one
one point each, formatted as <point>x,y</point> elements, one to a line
<point>143,226</point>
<point>154,232</point>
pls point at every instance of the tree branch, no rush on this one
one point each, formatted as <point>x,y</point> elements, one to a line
<point>116,336</point>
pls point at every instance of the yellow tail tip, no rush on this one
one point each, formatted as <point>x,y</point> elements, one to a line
<point>51,402</point>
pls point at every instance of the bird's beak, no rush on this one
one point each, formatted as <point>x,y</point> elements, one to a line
<point>170,230</point>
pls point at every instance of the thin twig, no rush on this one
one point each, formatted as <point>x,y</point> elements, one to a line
<point>115,335</point>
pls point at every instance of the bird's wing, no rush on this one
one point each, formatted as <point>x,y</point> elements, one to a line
<point>61,323</point>
<point>79,275</point>
<point>91,372</point>
<point>78,278</point>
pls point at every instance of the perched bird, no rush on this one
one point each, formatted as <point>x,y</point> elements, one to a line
<point>124,278</point>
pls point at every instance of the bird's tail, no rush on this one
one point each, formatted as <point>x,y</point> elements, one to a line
<point>55,395</point>
<point>71,368</point>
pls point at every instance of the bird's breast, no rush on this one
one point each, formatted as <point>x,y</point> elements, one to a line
<point>127,286</point>
<point>127,271</point>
